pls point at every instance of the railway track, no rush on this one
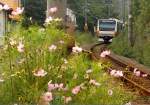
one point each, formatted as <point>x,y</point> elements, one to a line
<point>134,73</point>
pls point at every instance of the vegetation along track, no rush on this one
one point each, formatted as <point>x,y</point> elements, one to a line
<point>134,73</point>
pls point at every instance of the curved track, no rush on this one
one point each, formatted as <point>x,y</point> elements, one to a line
<point>128,66</point>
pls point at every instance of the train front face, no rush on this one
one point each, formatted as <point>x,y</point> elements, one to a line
<point>106,29</point>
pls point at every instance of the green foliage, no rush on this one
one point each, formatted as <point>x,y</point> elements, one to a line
<point>17,68</point>
<point>34,9</point>
<point>85,38</point>
<point>141,32</point>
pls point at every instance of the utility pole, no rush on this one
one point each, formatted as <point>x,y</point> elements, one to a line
<point>108,4</point>
<point>85,15</point>
<point>123,11</point>
<point>130,25</point>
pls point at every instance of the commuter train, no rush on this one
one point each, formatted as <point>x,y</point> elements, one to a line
<point>108,28</point>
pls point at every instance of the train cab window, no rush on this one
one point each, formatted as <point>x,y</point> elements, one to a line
<point>107,25</point>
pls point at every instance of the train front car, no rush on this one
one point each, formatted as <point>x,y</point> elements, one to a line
<point>107,29</point>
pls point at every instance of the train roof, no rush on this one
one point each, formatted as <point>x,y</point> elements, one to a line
<point>112,19</point>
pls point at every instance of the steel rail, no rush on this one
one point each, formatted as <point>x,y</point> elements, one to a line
<point>124,63</point>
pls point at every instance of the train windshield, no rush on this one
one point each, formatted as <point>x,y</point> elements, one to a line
<point>107,25</point>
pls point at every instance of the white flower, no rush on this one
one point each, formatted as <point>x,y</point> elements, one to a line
<point>1,80</point>
<point>20,47</point>
<point>129,103</point>
<point>67,99</point>
<point>75,76</point>
<point>89,71</point>
<point>6,7</point>
<point>30,18</point>
<point>104,54</point>
<point>61,42</point>
<point>41,30</point>
<point>110,92</point>
<point>1,7</point>
<point>52,48</point>
<point>49,19</point>
<point>65,61</point>
<point>12,42</point>
<point>76,49</point>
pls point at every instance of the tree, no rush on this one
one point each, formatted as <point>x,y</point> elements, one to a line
<point>35,9</point>
<point>93,8</point>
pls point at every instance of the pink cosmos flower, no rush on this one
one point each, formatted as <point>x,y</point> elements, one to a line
<point>119,74</point>
<point>144,75</point>
<point>116,73</point>
<point>112,72</point>
<point>76,49</point>
<point>61,85</point>
<point>136,72</point>
<point>6,7</point>
<point>76,90</point>
<point>110,92</point>
<point>52,48</point>
<point>14,13</point>
<point>20,47</point>
<point>93,82</point>
<point>67,99</point>
<point>53,10</point>
<point>51,87</point>
<point>40,73</point>
<point>104,54</point>
<point>48,96</point>
<point>18,11</point>
<point>55,86</point>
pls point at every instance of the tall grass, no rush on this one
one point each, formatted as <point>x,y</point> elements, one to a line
<point>28,51</point>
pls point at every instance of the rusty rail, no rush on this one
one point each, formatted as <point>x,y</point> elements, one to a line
<point>131,65</point>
